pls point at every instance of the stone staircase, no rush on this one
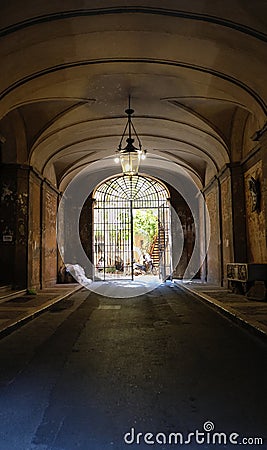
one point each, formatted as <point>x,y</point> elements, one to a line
<point>154,252</point>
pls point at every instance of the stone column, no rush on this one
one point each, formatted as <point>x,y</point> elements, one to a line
<point>35,230</point>
<point>49,263</point>
<point>226,221</point>
<point>214,254</point>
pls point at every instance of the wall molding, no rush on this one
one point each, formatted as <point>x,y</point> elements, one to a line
<point>87,12</point>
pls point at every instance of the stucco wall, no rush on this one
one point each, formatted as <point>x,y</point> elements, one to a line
<point>256,232</point>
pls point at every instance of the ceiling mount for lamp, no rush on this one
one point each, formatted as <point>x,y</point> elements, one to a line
<point>130,156</point>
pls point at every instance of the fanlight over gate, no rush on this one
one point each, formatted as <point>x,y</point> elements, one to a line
<point>132,233</point>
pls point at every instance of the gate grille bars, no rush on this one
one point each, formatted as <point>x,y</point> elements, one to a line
<point>123,235</point>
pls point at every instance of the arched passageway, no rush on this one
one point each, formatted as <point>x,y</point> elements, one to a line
<point>195,73</point>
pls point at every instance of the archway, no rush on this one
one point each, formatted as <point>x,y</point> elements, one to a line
<point>132,229</point>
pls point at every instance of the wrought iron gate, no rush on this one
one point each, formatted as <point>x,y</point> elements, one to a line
<point>132,234</point>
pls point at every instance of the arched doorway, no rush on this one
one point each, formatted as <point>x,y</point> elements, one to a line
<point>132,231</point>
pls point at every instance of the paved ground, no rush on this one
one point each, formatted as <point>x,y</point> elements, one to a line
<point>249,313</point>
<point>18,307</point>
<point>92,368</point>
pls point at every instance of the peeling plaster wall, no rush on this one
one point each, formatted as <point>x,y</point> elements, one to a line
<point>256,232</point>
<point>49,240</point>
<point>34,245</point>
<point>8,194</point>
<point>22,226</point>
<point>14,225</point>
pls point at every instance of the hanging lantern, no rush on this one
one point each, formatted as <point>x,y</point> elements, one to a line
<point>130,156</point>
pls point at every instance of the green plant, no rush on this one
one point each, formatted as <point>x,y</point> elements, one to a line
<point>31,291</point>
<point>145,223</point>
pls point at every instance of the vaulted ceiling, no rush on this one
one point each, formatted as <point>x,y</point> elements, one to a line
<point>195,70</point>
